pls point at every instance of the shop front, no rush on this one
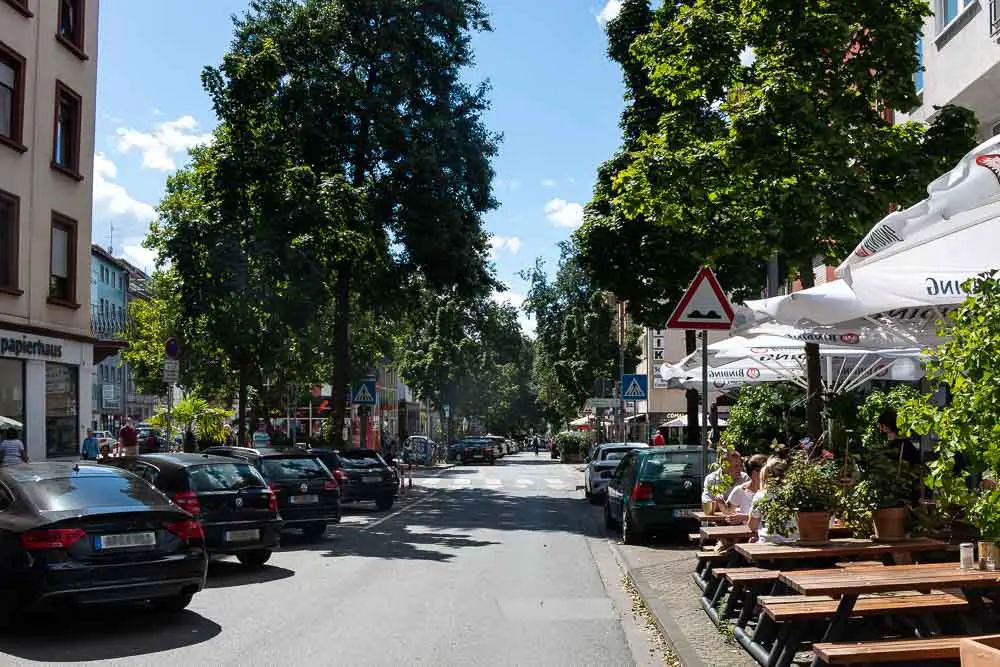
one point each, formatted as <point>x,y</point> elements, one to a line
<point>45,387</point>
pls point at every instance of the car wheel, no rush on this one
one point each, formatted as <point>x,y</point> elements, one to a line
<point>173,604</point>
<point>609,522</point>
<point>384,503</point>
<point>630,534</point>
<point>314,531</point>
<point>255,558</point>
<point>594,498</point>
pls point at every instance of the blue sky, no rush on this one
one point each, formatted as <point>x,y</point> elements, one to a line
<point>556,99</point>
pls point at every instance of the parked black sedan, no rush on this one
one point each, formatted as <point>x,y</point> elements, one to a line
<point>83,533</point>
<point>236,508</point>
<point>363,475</point>
<point>308,493</point>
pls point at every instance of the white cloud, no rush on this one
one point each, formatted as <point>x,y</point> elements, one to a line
<point>511,244</point>
<point>164,143</point>
<point>141,257</point>
<point>562,213</point>
<point>111,198</point>
<point>509,184</point>
<point>610,12</point>
<point>548,183</point>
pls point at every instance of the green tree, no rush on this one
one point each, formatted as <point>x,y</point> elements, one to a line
<point>357,108</point>
<point>195,414</point>
<point>773,137</point>
<point>966,365</point>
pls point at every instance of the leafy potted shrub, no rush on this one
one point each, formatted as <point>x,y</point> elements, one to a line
<point>572,446</point>
<point>806,495</point>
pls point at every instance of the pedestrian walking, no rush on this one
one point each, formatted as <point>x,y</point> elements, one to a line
<point>128,439</point>
<point>89,451</point>
<point>12,450</point>
<point>408,456</point>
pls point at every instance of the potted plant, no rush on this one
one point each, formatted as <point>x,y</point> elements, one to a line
<point>806,495</point>
<point>723,480</point>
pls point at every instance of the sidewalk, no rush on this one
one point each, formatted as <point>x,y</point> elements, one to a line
<point>663,578</point>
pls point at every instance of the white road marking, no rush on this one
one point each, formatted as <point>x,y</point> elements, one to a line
<point>458,481</point>
<point>554,482</point>
<point>524,482</point>
<point>399,511</point>
<point>493,482</point>
<point>429,480</point>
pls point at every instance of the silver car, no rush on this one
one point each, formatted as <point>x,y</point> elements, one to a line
<point>601,466</point>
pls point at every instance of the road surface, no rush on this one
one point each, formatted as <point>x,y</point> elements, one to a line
<point>484,565</point>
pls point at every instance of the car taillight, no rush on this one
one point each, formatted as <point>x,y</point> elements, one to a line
<point>187,501</point>
<point>187,530</point>
<point>272,501</point>
<point>642,491</point>
<point>60,538</point>
<point>340,474</point>
<point>330,484</point>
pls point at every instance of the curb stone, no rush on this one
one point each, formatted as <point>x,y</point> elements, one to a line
<point>682,648</point>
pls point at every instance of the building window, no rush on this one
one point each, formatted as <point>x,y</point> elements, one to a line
<point>62,262</point>
<point>918,78</point>
<point>12,79</point>
<point>948,11</point>
<point>71,20</point>
<point>12,391</point>
<point>21,6</point>
<point>66,134</point>
<point>9,240</point>
<point>62,410</point>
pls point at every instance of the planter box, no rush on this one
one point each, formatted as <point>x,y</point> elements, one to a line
<point>981,651</point>
<point>571,458</point>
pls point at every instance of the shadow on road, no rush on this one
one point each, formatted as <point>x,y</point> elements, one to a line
<point>104,633</point>
<point>224,574</point>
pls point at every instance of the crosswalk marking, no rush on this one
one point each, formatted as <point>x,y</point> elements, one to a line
<point>524,482</point>
<point>493,482</point>
<point>554,482</point>
<point>480,481</point>
<point>459,481</point>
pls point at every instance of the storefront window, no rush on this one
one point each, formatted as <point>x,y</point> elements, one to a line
<point>62,409</point>
<point>12,395</point>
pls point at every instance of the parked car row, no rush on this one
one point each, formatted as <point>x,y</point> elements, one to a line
<point>645,490</point>
<point>482,449</point>
<point>142,528</point>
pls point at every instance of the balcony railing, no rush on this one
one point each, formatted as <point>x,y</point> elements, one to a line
<point>994,18</point>
<point>105,326</point>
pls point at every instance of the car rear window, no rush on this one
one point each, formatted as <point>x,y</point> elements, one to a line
<point>614,454</point>
<point>360,460</point>
<point>671,464</point>
<point>293,467</point>
<point>224,477</point>
<point>92,491</point>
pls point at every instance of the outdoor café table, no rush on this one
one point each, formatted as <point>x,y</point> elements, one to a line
<point>849,584</point>
<point>741,532</point>
<point>717,517</point>
<point>766,552</point>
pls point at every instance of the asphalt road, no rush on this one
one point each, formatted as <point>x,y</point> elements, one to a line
<point>486,565</point>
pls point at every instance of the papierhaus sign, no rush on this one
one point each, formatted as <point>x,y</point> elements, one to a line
<point>24,347</point>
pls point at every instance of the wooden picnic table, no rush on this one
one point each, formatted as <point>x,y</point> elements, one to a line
<point>717,517</point>
<point>848,584</point>
<point>756,552</point>
<point>742,532</point>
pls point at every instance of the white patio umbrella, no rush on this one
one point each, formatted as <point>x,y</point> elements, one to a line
<point>7,422</point>
<point>921,255</point>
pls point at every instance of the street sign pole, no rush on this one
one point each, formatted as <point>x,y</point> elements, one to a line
<point>704,402</point>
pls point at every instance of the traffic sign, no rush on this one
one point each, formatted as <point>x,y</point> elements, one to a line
<point>171,371</point>
<point>172,347</point>
<point>602,403</point>
<point>635,387</point>
<point>365,393</point>
<point>703,306</point>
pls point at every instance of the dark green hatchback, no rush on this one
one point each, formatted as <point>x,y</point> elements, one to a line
<point>654,490</point>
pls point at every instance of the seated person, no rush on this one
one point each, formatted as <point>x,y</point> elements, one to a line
<point>740,498</point>
<point>771,474</point>
<point>712,490</point>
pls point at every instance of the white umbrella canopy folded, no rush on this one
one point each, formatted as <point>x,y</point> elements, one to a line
<point>921,255</point>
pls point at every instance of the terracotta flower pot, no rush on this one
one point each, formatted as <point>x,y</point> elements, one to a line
<point>890,524</point>
<point>814,527</point>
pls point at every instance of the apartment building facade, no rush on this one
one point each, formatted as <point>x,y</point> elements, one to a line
<point>108,319</point>
<point>960,53</point>
<point>48,84</point>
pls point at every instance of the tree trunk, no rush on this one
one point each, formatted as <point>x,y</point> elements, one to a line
<point>814,374</point>
<point>241,426</point>
<point>341,354</point>
<point>692,432</point>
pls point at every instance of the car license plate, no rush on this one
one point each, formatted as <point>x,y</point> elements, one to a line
<point>683,514</point>
<point>125,540</point>
<point>304,500</point>
<point>371,479</point>
<point>242,535</point>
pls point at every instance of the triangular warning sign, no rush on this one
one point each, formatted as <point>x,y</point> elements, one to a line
<point>703,306</point>
<point>363,395</point>
<point>634,390</point>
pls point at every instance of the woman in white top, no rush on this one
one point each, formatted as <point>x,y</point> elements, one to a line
<point>771,473</point>
<point>12,450</point>
<point>741,496</point>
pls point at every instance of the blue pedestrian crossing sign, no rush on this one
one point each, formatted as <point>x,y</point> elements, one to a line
<point>635,387</point>
<point>364,394</point>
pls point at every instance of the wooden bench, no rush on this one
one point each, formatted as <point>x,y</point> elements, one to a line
<point>860,563</point>
<point>703,571</point>
<point>796,608</point>
<point>895,650</point>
